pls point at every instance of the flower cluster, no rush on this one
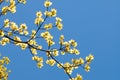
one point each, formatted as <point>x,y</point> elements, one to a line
<point>19,35</point>
<point>11,7</point>
<point>3,69</point>
<point>48,26</point>
<point>39,18</point>
<point>13,29</point>
<point>39,61</point>
<point>22,29</point>
<point>68,46</point>
<point>89,58</point>
<point>51,62</point>
<point>48,37</point>
<point>59,23</point>
<point>51,13</point>
<point>78,77</point>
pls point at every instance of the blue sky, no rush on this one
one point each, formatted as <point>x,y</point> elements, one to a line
<point>94,24</point>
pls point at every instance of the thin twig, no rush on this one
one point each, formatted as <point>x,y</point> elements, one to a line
<point>39,27</point>
<point>60,64</point>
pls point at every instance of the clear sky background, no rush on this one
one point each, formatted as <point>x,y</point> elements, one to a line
<point>94,24</point>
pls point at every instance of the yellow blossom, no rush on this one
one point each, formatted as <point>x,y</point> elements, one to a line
<point>35,58</point>
<point>78,62</point>
<point>23,26</point>
<point>33,33</point>
<point>68,68</point>
<point>54,12</point>
<point>61,39</point>
<point>48,13</point>
<point>51,62</point>
<point>38,59</point>
<point>58,19</point>
<point>48,26</point>
<point>13,26</point>
<point>12,6</point>
<point>79,77</point>
<point>89,58</point>
<point>18,39</point>
<point>74,51</point>
<point>6,60</point>
<point>39,14</point>
<point>50,42</point>
<point>47,3</point>
<point>6,23</point>
<point>40,65</point>
<point>23,46</point>
<point>67,64</point>
<point>58,23</point>
<point>73,43</point>
<point>4,41</point>
<point>38,20</point>
<point>87,67</point>
<point>32,42</point>
<point>59,26</point>
<point>25,32</point>
<point>55,52</point>
<point>4,10</point>
<point>3,70</point>
<point>34,51</point>
<point>67,46</point>
<point>46,35</point>
<point>1,33</point>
